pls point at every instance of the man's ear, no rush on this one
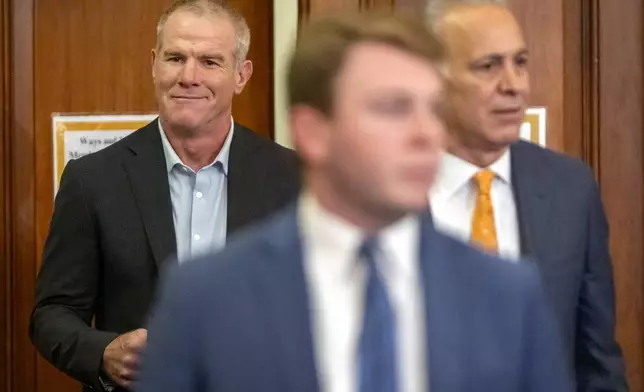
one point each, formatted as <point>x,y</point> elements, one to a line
<point>310,134</point>
<point>153,57</point>
<point>244,72</point>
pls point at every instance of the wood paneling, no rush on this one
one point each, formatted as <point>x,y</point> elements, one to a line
<point>313,8</point>
<point>254,107</point>
<point>5,266</point>
<point>575,51</point>
<point>542,22</point>
<point>22,196</point>
<point>588,86</point>
<point>620,164</point>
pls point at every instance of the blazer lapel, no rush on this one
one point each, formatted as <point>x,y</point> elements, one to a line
<point>286,297</point>
<point>442,346</point>
<point>529,183</point>
<point>243,175</point>
<point>146,169</point>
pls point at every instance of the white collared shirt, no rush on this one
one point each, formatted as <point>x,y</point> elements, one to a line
<point>336,281</point>
<point>453,198</point>
<point>199,200</point>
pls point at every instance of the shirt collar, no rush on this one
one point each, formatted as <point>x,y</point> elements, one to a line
<point>172,159</point>
<point>327,233</point>
<point>454,173</point>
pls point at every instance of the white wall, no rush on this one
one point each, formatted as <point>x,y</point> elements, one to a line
<point>284,33</point>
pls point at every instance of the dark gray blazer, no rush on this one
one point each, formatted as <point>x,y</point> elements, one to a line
<point>563,227</point>
<point>112,231</point>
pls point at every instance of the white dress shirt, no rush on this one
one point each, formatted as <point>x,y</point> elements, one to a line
<point>453,198</point>
<point>336,281</point>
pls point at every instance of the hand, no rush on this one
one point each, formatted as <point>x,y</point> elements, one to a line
<point>121,356</point>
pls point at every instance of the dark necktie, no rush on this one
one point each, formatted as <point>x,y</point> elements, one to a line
<point>377,347</point>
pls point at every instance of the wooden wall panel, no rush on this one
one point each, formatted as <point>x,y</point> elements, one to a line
<point>542,22</point>
<point>313,8</point>
<point>5,266</point>
<point>620,166</point>
<point>254,107</point>
<point>21,196</point>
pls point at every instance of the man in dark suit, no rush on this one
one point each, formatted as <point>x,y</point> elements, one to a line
<point>176,186</point>
<point>541,204</point>
<point>351,289</point>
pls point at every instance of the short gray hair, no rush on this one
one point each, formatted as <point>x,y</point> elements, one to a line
<point>211,7</point>
<point>436,9</point>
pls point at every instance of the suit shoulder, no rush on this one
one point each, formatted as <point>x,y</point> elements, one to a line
<point>568,167</point>
<point>490,270</point>
<point>106,158</point>
<point>264,144</point>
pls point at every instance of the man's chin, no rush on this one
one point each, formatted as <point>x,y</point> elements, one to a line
<point>413,204</point>
<point>506,135</point>
<point>185,124</point>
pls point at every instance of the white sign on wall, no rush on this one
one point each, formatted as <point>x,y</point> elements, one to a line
<point>76,136</point>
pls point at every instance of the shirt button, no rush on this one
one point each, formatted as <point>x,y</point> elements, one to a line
<point>199,195</point>
<point>197,237</point>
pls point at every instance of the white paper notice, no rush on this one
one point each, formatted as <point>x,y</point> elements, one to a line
<point>81,143</point>
<point>75,136</point>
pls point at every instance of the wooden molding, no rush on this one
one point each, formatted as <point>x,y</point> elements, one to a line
<point>617,146</point>
<point>308,8</point>
<point>303,12</point>
<point>590,85</point>
<point>365,4</point>
<point>5,176</point>
<point>19,143</point>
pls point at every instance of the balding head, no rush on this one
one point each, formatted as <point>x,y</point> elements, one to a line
<point>436,9</point>
<point>487,78</point>
<point>474,30</point>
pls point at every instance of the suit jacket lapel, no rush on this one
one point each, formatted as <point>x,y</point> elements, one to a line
<point>243,176</point>
<point>530,182</point>
<point>146,169</point>
<point>286,297</point>
<point>442,345</point>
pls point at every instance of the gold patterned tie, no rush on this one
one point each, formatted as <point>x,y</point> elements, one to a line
<point>483,228</point>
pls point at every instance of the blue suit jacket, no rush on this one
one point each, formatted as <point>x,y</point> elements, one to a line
<point>238,321</point>
<point>563,227</point>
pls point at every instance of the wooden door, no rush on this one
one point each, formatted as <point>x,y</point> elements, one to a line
<point>78,56</point>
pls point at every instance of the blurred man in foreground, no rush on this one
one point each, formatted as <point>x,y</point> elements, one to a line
<point>517,199</point>
<point>351,289</point>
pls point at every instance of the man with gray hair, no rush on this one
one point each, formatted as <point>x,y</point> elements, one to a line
<point>517,199</point>
<point>176,187</point>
